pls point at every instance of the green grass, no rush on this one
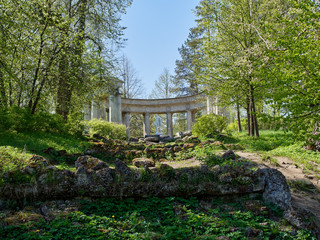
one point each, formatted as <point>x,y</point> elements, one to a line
<point>267,141</point>
<point>11,158</point>
<point>309,159</point>
<point>278,143</point>
<point>17,148</point>
<point>34,143</point>
<point>155,218</point>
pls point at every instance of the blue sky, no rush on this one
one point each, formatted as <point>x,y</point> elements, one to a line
<point>155,31</point>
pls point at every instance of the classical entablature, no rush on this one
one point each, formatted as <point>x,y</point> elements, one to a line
<point>117,109</point>
<point>163,106</point>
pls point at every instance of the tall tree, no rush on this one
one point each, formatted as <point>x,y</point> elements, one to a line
<point>132,84</point>
<point>294,75</point>
<point>132,88</point>
<point>164,86</point>
<point>95,21</point>
<point>56,48</point>
<point>233,52</point>
<point>186,71</point>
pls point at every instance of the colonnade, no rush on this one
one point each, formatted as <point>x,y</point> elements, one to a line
<point>117,109</point>
<point>146,123</point>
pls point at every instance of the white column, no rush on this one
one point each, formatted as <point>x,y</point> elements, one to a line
<point>103,111</point>
<point>146,125</point>
<point>127,123</point>
<point>87,112</point>
<point>189,120</point>
<point>193,117</point>
<point>115,112</point>
<point>94,110</point>
<point>169,124</point>
<point>217,108</point>
<point>210,105</point>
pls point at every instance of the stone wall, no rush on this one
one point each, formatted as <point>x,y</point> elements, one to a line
<point>94,178</point>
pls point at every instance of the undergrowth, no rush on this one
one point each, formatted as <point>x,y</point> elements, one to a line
<point>155,218</point>
<point>12,158</point>
<point>34,142</point>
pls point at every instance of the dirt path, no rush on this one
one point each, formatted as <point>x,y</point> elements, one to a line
<point>304,187</point>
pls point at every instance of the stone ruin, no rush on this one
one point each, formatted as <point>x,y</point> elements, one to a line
<point>94,178</point>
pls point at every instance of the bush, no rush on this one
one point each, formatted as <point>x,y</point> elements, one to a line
<point>106,129</point>
<point>22,120</point>
<point>210,124</point>
<point>12,158</point>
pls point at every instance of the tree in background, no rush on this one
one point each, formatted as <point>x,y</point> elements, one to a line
<point>233,62</point>
<point>186,71</point>
<point>132,88</point>
<point>164,86</point>
<point>62,50</point>
<point>132,84</point>
<point>294,75</point>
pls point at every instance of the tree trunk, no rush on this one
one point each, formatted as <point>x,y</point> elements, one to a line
<point>252,125</point>
<point>64,89</point>
<point>248,118</point>
<point>238,118</point>
<point>66,86</point>
<point>256,127</point>
<point>3,99</point>
<point>36,101</point>
<point>254,122</point>
<point>44,80</point>
<point>36,74</point>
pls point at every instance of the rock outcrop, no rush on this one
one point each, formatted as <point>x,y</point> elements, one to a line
<point>94,178</point>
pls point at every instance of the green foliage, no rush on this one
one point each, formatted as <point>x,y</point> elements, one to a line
<point>55,55</point>
<point>12,158</point>
<point>208,155</point>
<point>265,122</point>
<point>155,218</point>
<point>210,124</point>
<point>279,143</point>
<point>22,120</point>
<point>268,140</point>
<point>17,148</point>
<point>307,158</point>
<point>106,129</point>
<point>295,86</point>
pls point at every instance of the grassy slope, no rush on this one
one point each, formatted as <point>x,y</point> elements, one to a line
<point>278,143</point>
<point>17,148</point>
<point>34,143</point>
<point>113,224</point>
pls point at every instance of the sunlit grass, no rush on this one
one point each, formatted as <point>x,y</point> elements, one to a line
<point>34,143</point>
<point>11,158</point>
<point>267,141</point>
<point>279,143</point>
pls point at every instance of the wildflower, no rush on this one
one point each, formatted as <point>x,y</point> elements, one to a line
<point>113,216</point>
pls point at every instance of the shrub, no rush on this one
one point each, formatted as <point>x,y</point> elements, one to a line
<point>12,158</point>
<point>210,124</point>
<point>22,120</point>
<point>106,129</point>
